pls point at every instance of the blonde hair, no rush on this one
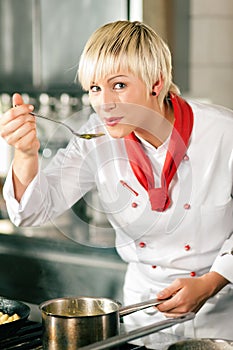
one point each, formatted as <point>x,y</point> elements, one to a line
<point>130,46</point>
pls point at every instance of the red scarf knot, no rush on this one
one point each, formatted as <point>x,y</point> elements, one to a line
<point>159,199</point>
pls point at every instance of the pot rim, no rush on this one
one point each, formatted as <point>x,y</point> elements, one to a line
<point>46,303</point>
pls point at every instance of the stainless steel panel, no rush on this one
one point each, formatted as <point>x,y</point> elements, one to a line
<point>41,40</point>
<point>15,44</point>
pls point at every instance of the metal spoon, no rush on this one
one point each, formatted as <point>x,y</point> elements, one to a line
<point>83,136</point>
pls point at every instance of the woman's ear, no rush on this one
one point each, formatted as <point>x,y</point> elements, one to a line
<point>157,87</point>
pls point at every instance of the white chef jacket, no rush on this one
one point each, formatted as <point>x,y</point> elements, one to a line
<point>186,240</point>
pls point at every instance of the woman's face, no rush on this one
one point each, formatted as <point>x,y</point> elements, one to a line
<point>121,100</point>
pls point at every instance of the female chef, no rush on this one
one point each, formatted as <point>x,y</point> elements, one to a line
<point>163,170</point>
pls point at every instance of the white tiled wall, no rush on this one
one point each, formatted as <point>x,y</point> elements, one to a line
<point>211,50</point>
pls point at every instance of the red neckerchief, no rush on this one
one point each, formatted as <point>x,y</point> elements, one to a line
<point>177,147</point>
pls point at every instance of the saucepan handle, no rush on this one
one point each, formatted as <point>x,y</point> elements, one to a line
<point>127,310</point>
<point>138,333</point>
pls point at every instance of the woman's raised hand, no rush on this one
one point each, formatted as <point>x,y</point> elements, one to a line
<point>18,127</point>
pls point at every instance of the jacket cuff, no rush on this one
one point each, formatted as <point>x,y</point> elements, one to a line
<point>15,209</point>
<point>223,265</point>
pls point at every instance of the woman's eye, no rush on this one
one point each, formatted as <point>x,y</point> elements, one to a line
<point>119,86</point>
<point>94,88</point>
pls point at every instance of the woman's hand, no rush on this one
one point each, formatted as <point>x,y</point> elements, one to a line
<point>18,128</point>
<point>190,294</point>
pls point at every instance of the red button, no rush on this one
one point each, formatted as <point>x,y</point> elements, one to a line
<point>153,266</point>
<point>186,157</point>
<point>142,244</point>
<point>187,247</point>
<point>192,274</point>
<point>187,206</point>
<point>134,205</point>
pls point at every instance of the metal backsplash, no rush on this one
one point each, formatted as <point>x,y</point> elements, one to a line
<point>41,40</point>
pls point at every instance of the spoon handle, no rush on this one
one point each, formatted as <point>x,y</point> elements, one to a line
<point>87,136</point>
<point>52,120</point>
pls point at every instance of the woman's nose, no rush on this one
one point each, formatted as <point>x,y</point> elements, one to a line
<point>107,101</point>
<point>107,107</point>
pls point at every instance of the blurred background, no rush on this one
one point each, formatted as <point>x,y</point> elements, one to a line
<point>40,45</point>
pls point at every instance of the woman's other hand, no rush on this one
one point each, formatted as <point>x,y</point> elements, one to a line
<point>190,294</point>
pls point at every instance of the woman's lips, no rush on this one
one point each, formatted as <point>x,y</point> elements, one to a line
<point>112,121</point>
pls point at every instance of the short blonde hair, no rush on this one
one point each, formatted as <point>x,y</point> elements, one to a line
<point>130,46</point>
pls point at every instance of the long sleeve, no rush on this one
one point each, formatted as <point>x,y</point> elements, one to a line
<point>54,190</point>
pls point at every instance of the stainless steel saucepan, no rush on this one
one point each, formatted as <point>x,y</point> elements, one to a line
<point>73,322</point>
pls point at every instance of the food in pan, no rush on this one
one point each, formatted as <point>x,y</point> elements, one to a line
<point>5,318</point>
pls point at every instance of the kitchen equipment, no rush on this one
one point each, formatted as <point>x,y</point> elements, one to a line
<point>202,344</point>
<point>11,307</point>
<point>87,136</point>
<point>74,322</point>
